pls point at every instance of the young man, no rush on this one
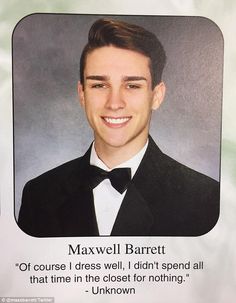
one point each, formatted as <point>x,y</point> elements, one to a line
<point>123,185</point>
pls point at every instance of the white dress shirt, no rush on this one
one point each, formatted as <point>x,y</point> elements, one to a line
<point>107,200</point>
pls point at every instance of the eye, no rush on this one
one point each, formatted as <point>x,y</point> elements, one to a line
<point>99,85</point>
<point>133,86</point>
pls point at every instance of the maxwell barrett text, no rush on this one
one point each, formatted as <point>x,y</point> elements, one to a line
<point>116,249</point>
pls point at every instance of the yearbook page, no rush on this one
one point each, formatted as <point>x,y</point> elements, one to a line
<point>117,153</point>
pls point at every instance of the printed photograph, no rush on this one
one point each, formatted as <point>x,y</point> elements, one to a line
<point>117,125</point>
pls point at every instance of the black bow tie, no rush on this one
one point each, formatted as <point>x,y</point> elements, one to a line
<point>119,177</point>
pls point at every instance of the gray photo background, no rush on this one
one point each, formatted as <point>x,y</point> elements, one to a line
<point>50,127</point>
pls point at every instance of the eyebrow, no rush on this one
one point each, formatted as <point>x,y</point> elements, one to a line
<point>134,78</point>
<point>97,77</point>
<point>106,78</point>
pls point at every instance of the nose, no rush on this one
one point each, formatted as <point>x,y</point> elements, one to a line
<point>115,99</point>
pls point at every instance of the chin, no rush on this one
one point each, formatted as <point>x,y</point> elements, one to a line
<point>116,143</point>
<point>119,142</point>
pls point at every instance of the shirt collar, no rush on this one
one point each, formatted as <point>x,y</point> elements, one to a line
<point>133,163</point>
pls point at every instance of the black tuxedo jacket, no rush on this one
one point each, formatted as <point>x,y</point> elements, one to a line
<point>164,198</point>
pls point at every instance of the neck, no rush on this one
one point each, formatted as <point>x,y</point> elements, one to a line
<point>113,156</point>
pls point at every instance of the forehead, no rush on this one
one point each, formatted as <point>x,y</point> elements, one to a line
<point>110,59</point>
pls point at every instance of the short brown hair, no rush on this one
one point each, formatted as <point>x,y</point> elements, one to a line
<point>105,32</point>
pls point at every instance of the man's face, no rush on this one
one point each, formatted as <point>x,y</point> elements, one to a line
<point>118,97</point>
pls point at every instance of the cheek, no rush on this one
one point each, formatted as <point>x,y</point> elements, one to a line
<point>93,111</point>
<point>94,101</point>
<point>141,105</point>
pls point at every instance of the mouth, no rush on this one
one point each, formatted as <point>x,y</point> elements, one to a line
<point>116,121</point>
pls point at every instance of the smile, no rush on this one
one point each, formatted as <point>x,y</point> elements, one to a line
<point>116,121</point>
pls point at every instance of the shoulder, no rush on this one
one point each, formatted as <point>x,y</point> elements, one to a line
<point>51,189</point>
<point>59,173</point>
<point>176,172</point>
<point>75,168</point>
<point>177,194</point>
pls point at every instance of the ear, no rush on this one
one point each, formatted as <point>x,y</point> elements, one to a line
<point>81,93</point>
<point>158,95</point>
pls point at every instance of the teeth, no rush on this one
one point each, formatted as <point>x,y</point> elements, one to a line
<point>116,120</point>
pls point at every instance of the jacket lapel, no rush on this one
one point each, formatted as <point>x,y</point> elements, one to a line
<point>77,213</point>
<point>136,215</point>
